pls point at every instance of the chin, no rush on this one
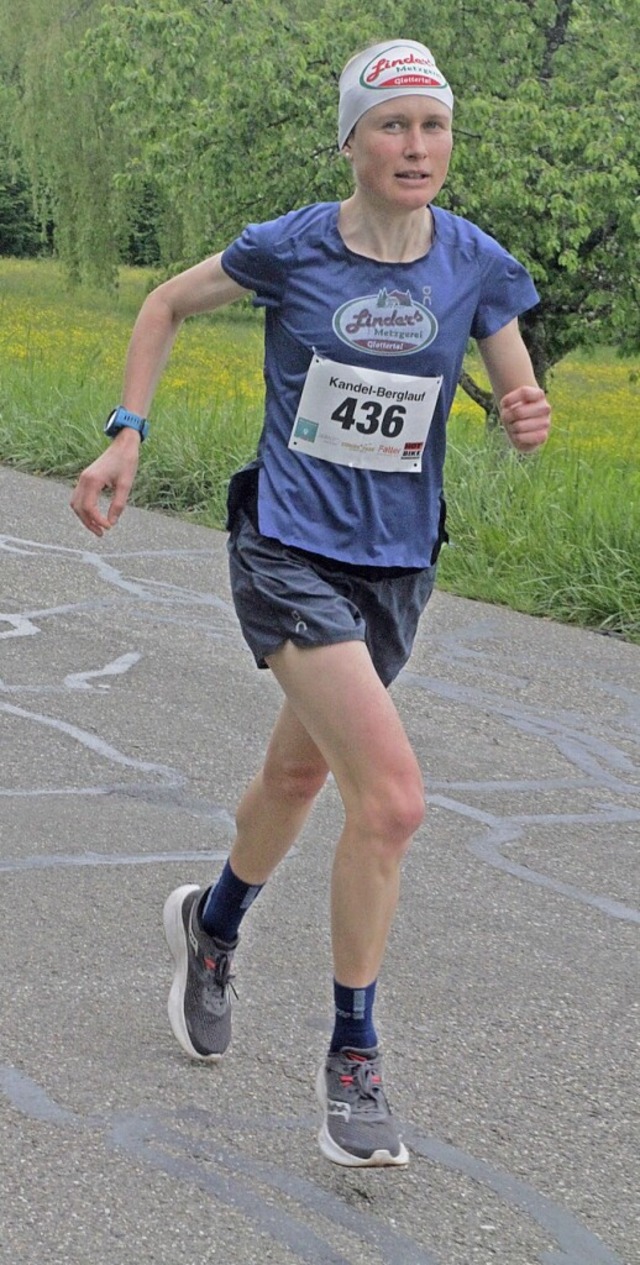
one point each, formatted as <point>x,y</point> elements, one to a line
<point>414,203</point>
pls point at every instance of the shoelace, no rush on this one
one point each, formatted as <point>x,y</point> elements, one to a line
<point>367,1084</point>
<point>219,973</point>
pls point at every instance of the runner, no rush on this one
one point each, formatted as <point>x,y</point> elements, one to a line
<point>334,534</point>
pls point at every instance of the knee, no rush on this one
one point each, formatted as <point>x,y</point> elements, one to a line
<point>295,782</point>
<point>403,814</point>
<point>390,816</point>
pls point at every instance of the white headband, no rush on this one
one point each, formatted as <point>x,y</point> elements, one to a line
<point>398,68</point>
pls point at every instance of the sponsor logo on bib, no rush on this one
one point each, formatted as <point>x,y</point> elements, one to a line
<point>390,323</point>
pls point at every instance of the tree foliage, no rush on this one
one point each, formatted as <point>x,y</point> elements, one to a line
<point>64,129</point>
<point>548,161</point>
<point>180,121</point>
<point>19,234</point>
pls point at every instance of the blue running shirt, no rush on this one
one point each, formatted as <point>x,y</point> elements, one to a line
<point>411,318</point>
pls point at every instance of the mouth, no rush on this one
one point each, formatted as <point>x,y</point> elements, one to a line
<point>413,177</point>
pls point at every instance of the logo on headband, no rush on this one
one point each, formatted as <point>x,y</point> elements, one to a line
<point>389,323</point>
<point>402,67</point>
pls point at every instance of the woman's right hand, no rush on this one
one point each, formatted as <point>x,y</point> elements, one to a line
<point>113,471</point>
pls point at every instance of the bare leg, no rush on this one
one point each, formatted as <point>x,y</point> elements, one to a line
<point>277,803</point>
<point>344,708</point>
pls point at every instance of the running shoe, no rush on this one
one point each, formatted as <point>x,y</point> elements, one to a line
<point>358,1129</point>
<point>199,1002</point>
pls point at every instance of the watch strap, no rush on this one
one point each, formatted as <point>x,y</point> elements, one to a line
<point>121,418</point>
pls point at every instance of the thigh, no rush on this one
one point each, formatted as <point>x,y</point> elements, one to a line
<point>291,750</point>
<point>340,701</point>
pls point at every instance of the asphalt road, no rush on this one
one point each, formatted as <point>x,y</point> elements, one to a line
<point>131,718</point>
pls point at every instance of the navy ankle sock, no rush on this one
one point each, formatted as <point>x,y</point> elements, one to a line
<point>226,905</point>
<point>354,1018</point>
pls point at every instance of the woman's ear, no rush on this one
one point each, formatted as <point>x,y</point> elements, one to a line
<point>346,148</point>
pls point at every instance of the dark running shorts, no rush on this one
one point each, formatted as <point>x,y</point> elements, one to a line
<point>284,594</point>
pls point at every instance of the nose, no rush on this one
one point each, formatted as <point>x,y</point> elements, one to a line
<point>415,141</point>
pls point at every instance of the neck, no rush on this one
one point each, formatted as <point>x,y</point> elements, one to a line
<point>384,235</point>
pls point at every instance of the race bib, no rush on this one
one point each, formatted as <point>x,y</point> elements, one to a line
<point>364,418</point>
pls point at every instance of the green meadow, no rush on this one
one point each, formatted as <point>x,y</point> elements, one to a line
<point>556,535</point>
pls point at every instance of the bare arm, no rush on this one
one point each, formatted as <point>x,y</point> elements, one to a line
<point>524,409</point>
<point>200,289</point>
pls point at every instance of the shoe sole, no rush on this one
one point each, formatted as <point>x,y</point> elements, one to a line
<point>176,939</point>
<point>335,1153</point>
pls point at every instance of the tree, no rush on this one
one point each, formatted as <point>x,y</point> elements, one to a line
<point>550,131</point>
<point>217,99</point>
<point>63,127</point>
<point>19,233</point>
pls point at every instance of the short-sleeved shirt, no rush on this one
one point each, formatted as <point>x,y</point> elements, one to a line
<point>408,318</point>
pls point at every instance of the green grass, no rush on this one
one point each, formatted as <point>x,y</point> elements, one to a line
<point>556,534</point>
<point>552,535</point>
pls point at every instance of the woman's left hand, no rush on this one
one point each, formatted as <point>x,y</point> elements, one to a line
<point>526,416</point>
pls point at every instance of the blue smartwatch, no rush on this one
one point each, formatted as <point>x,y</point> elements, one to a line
<point>121,418</point>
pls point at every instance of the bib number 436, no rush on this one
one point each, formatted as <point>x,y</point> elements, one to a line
<point>389,420</point>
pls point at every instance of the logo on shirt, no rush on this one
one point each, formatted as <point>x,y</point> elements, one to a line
<point>389,323</point>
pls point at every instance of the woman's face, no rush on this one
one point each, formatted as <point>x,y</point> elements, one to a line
<point>400,152</point>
